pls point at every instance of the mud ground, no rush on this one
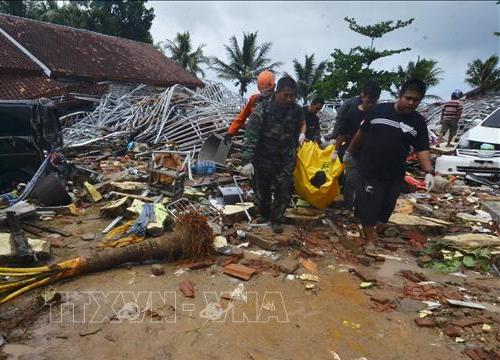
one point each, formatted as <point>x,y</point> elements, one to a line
<point>280,320</point>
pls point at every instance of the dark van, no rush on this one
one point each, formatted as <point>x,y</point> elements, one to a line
<point>27,128</point>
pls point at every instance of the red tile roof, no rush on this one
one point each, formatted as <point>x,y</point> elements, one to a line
<point>14,60</point>
<point>85,54</point>
<point>29,86</point>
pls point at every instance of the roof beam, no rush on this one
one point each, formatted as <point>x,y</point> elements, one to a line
<point>44,67</point>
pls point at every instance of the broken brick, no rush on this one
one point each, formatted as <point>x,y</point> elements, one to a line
<point>379,299</point>
<point>466,322</point>
<point>425,322</point>
<point>57,243</point>
<point>187,289</point>
<point>413,276</point>
<point>364,275</point>
<point>239,271</point>
<point>452,331</point>
<point>472,354</point>
<point>391,247</point>
<point>199,264</point>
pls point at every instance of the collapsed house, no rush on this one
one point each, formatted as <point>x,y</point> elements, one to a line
<point>39,59</point>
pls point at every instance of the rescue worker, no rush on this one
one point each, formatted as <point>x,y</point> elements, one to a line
<point>265,85</point>
<point>313,132</point>
<point>274,131</point>
<point>450,116</point>
<point>350,115</point>
<point>347,124</point>
<point>384,140</point>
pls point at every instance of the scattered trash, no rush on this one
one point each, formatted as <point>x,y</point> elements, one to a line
<point>351,324</point>
<point>157,269</point>
<point>309,277</point>
<point>130,311</point>
<point>239,293</point>
<point>465,304</point>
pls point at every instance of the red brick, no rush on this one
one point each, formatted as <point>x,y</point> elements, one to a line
<point>187,288</point>
<point>425,322</point>
<point>452,331</point>
<point>379,299</point>
<point>468,321</point>
<point>472,354</point>
<point>199,264</point>
<point>239,271</point>
<point>391,247</point>
<point>413,276</point>
<point>57,243</point>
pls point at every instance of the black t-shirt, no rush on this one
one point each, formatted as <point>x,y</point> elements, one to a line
<point>387,137</point>
<point>313,131</point>
<point>351,123</point>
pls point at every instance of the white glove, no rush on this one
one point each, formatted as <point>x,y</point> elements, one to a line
<point>248,170</point>
<point>334,155</point>
<point>302,138</point>
<point>429,182</point>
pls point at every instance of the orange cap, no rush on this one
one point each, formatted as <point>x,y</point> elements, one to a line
<point>265,81</point>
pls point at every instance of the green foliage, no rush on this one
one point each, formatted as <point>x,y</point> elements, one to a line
<point>244,63</point>
<point>307,75</point>
<point>181,52</point>
<point>484,75</point>
<point>127,19</point>
<point>346,73</point>
<point>376,30</point>
<point>472,259</point>
<point>423,69</point>
<point>447,266</point>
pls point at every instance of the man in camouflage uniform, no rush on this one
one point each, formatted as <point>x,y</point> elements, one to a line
<point>274,131</point>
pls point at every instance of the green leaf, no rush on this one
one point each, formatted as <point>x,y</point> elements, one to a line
<point>469,261</point>
<point>445,266</point>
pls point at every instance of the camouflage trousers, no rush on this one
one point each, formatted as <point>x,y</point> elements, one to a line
<point>273,187</point>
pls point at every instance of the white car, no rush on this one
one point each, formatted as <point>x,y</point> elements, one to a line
<point>478,150</point>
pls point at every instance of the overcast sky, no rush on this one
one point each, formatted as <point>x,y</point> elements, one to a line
<point>451,32</point>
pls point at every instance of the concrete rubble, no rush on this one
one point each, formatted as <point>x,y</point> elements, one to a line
<point>473,109</point>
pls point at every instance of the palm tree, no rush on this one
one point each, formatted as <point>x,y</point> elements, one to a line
<point>182,54</point>
<point>245,63</point>
<point>484,75</point>
<point>423,69</point>
<point>307,75</point>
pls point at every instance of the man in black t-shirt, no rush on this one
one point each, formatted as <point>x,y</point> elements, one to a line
<point>348,124</point>
<point>384,140</point>
<point>313,132</point>
<point>352,113</point>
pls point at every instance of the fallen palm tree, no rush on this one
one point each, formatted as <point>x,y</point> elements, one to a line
<point>192,239</point>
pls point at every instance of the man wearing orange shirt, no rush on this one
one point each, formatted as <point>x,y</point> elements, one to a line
<point>265,84</point>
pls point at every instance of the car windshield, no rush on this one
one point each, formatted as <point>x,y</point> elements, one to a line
<point>493,120</point>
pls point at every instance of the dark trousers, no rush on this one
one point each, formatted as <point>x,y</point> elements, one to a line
<point>273,191</point>
<point>376,199</point>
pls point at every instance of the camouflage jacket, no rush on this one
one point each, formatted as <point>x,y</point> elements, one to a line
<point>271,136</point>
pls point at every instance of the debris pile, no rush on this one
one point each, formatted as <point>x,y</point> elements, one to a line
<point>131,188</point>
<point>473,109</point>
<point>177,115</point>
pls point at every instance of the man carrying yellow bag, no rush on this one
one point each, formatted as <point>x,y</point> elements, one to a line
<point>316,174</point>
